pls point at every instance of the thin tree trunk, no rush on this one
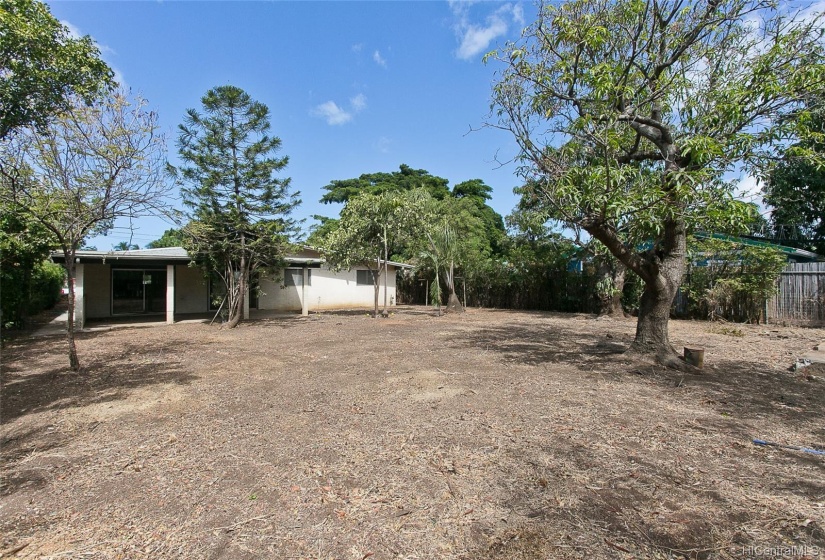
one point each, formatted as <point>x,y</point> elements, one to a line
<point>69,265</point>
<point>438,291</point>
<point>619,273</point>
<point>385,313</point>
<point>610,303</point>
<point>235,289</point>
<point>377,283</point>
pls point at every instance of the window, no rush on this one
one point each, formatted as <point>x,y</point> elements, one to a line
<point>295,277</point>
<point>364,278</point>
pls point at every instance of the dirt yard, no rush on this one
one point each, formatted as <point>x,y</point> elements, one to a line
<point>493,435</point>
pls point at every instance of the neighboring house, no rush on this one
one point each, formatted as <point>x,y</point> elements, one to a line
<point>161,282</point>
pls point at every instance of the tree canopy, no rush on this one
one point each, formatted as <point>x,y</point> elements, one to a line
<point>405,179</point>
<point>172,237</point>
<point>795,188</point>
<point>239,207</point>
<point>42,66</point>
<point>628,112</point>
<point>90,166</point>
<point>371,225</point>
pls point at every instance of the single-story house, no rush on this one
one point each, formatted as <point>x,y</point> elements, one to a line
<point>162,282</point>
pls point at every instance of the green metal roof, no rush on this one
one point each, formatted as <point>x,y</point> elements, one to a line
<point>800,254</point>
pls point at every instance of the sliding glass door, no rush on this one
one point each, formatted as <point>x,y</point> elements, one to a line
<point>138,291</point>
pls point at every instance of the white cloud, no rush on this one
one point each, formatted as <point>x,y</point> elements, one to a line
<point>379,60</point>
<point>359,102</point>
<point>357,47</point>
<point>518,14</point>
<point>333,114</point>
<point>336,115</point>
<point>383,145</point>
<point>476,38</point>
<point>749,189</point>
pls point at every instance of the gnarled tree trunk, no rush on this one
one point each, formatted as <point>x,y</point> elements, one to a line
<point>661,269</point>
<point>654,312</point>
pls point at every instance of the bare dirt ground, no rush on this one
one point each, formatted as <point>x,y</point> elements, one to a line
<point>492,435</point>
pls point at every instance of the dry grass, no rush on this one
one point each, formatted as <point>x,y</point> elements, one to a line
<point>490,435</point>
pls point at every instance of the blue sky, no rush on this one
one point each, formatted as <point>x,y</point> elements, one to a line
<point>353,87</point>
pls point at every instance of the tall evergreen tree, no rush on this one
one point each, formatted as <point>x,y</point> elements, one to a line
<point>239,207</point>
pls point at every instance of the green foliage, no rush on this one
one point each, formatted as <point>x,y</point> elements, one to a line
<point>91,165</point>
<point>732,280</point>
<point>29,284</point>
<point>125,246</point>
<point>319,232</point>
<point>171,238</point>
<point>628,113</point>
<point>475,189</point>
<point>468,198</point>
<point>454,241</point>
<point>239,208</point>
<point>370,221</point>
<point>372,226</point>
<point>405,179</point>
<point>795,188</point>
<point>42,66</point>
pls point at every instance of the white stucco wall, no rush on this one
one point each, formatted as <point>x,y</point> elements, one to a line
<point>327,290</point>
<point>191,290</point>
<point>97,287</point>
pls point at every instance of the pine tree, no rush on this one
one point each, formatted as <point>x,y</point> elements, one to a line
<point>239,208</point>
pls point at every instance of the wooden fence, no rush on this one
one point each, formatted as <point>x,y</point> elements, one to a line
<point>801,296</point>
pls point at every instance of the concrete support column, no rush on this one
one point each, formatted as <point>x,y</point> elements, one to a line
<point>170,294</point>
<point>304,294</point>
<point>79,300</point>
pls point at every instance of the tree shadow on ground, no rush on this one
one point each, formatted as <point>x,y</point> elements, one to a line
<point>32,383</point>
<point>737,388</point>
<point>637,512</point>
<point>537,345</point>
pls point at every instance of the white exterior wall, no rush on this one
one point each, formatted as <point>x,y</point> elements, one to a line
<point>327,290</point>
<point>191,290</point>
<point>97,287</point>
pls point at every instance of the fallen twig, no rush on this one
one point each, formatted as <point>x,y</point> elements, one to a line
<point>616,546</point>
<point>14,549</point>
<point>244,522</point>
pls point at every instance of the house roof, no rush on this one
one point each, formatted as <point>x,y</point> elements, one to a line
<point>178,255</point>
<point>166,255</point>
